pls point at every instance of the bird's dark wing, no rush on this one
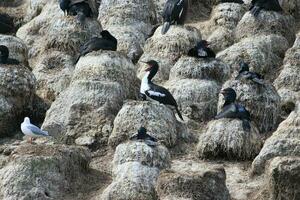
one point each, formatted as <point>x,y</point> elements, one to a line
<point>229,111</point>
<point>149,137</point>
<point>168,9</point>
<point>181,9</point>
<point>96,44</point>
<point>193,52</point>
<point>210,53</point>
<point>272,5</point>
<point>161,95</point>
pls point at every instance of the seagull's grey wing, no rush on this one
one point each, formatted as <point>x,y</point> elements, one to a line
<point>36,130</point>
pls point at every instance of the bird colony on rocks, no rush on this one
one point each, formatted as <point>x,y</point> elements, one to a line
<point>150,99</point>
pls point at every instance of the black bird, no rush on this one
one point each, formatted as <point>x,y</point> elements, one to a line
<point>6,24</point>
<point>4,56</point>
<point>156,92</point>
<point>142,135</point>
<point>174,13</point>
<point>107,42</point>
<point>270,5</point>
<point>79,8</point>
<point>246,74</point>
<point>231,109</point>
<point>232,1</point>
<point>201,50</point>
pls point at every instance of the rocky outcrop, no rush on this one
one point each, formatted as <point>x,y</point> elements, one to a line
<point>284,142</point>
<point>219,30</point>
<point>136,168</point>
<point>130,22</point>
<point>17,48</point>
<point>200,105</point>
<point>198,68</point>
<point>167,48</point>
<point>100,83</point>
<point>288,81</point>
<point>52,30</point>
<point>44,172</point>
<point>17,87</point>
<point>283,178</point>
<point>226,138</point>
<point>192,181</point>
<point>267,23</point>
<point>262,101</point>
<point>53,73</point>
<point>264,53</point>
<point>158,119</point>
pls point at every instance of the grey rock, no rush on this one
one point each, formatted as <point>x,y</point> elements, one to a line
<point>226,138</point>
<point>200,105</point>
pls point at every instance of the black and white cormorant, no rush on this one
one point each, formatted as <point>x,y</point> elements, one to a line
<point>6,24</point>
<point>258,5</point>
<point>231,109</point>
<point>156,92</point>
<point>79,8</point>
<point>232,1</point>
<point>174,13</point>
<point>202,50</point>
<point>106,42</point>
<point>142,135</point>
<point>4,56</point>
<point>244,73</point>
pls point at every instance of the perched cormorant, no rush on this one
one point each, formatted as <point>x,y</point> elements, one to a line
<point>156,92</point>
<point>4,56</point>
<point>246,74</point>
<point>201,50</point>
<point>79,8</point>
<point>32,130</point>
<point>142,135</point>
<point>6,24</point>
<point>232,1</point>
<point>231,109</point>
<point>257,5</point>
<point>107,42</point>
<point>174,13</point>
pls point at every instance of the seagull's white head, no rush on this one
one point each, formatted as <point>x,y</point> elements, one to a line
<point>27,120</point>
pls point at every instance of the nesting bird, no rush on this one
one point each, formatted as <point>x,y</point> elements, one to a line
<point>107,42</point>
<point>4,56</point>
<point>244,73</point>
<point>174,13</point>
<point>202,50</point>
<point>270,5</point>
<point>156,92</point>
<point>142,135</point>
<point>231,109</point>
<point>31,130</point>
<point>79,8</point>
<point>6,24</point>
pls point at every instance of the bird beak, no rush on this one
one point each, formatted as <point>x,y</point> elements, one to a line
<point>149,68</point>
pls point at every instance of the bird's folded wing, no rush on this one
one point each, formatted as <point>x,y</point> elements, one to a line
<point>36,130</point>
<point>227,112</point>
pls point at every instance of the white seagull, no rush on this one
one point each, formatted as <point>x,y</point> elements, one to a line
<point>32,130</point>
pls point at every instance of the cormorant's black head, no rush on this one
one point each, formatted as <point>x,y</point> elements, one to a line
<point>142,130</point>
<point>4,53</point>
<point>244,67</point>
<point>64,4</point>
<point>152,67</point>
<point>229,95</point>
<point>203,43</point>
<point>106,35</point>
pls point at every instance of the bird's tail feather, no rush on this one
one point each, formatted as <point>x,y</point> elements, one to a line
<point>179,114</point>
<point>255,11</point>
<point>77,59</point>
<point>165,27</point>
